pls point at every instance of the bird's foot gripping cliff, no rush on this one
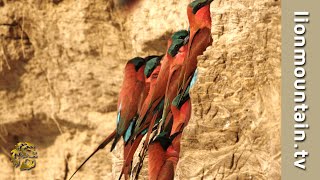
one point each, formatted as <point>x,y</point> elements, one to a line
<point>61,65</point>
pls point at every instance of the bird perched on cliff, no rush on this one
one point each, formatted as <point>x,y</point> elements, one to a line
<point>177,54</point>
<point>151,71</point>
<point>129,102</point>
<point>165,148</point>
<point>163,158</point>
<point>199,39</point>
<point>130,98</point>
<point>156,96</point>
<point>153,104</point>
<point>199,18</point>
<point>181,113</point>
<point>154,109</point>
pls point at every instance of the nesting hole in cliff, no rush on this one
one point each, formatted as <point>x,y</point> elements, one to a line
<point>157,45</point>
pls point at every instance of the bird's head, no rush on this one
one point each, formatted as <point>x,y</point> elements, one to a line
<point>182,34</point>
<point>178,42</point>
<point>199,4</point>
<point>138,62</point>
<point>175,46</point>
<point>199,12</point>
<point>151,71</point>
<point>152,63</point>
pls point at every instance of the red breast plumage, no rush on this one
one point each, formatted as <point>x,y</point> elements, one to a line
<point>155,94</point>
<point>199,17</point>
<point>200,33</point>
<point>150,81</point>
<point>162,162</point>
<point>176,71</point>
<point>180,116</point>
<point>130,96</point>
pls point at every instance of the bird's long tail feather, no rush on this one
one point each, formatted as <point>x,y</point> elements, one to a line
<point>101,146</point>
<point>115,141</point>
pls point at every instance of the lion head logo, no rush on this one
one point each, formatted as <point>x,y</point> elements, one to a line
<point>24,155</point>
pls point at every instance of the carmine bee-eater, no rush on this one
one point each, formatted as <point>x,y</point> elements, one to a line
<point>153,105</point>
<point>164,151</point>
<point>181,111</point>
<point>129,103</point>
<point>154,102</point>
<point>181,114</point>
<point>151,72</point>
<point>130,98</point>
<point>176,72</point>
<point>163,158</point>
<point>199,18</point>
<point>157,95</point>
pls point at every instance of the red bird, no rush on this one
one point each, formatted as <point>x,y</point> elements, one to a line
<point>130,97</point>
<point>156,96</point>
<point>199,18</point>
<point>200,38</point>
<point>175,78</point>
<point>153,105</point>
<point>181,116</point>
<point>129,103</point>
<point>200,33</point>
<point>164,151</point>
<point>151,72</point>
<point>181,106</point>
<point>163,158</point>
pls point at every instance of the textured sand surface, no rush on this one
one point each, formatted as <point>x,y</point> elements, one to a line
<point>235,129</point>
<point>61,65</point>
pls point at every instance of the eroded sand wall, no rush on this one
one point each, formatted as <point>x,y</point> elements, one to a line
<point>234,132</point>
<point>61,65</point>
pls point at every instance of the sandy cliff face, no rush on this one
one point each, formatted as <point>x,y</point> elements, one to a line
<point>61,65</point>
<point>235,129</point>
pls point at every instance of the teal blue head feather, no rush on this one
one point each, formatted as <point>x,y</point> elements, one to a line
<point>151,65</point>
<point>198,4</point>
<point>175,46</point>
<point>180,34</point>
<point>137,62</point>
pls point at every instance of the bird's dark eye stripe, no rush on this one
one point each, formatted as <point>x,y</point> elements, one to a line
<point>198,6</point>
<point>179,34</point>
